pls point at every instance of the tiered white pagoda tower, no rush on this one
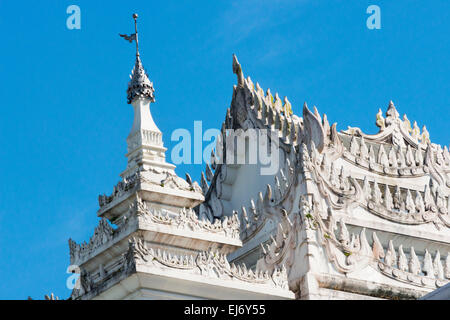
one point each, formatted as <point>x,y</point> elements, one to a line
<point>347,215</point>
<point>150,243</point>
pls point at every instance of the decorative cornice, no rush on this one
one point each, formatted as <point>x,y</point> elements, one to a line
<point>395,131</point>
<point>185,219</point>
<point>103,233</point>
<point>392,202</point>
<point>209,264</point>
<point>160,177</point>
<point>140,213</point>
<point>128,183</point>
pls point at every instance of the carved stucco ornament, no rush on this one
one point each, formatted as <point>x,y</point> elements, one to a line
<point>351,252</point>
<point>393,130</point>
<point>140,86</point>
<point>313,128</point>
<point>207,263</point>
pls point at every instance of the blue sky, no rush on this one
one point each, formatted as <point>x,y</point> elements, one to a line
<point>64,116</point>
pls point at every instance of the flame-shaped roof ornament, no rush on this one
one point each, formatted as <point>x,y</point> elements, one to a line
<point>237,69</point>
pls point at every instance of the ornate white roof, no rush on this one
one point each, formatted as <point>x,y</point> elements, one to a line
<point>330,189</point>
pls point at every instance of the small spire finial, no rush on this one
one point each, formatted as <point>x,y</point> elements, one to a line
<point>139,86</point>
<point>391,114</point>
<point>135,16</point>
<point>237,69</point>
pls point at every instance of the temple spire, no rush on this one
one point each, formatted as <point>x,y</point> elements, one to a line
<point>145,145</point>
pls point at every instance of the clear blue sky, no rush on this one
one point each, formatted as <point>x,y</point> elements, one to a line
<point>64,116</point>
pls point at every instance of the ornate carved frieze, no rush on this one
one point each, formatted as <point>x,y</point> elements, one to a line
<point>160,177</point>
<point>210,264</point>
<point>402,151</point>
<point>128,183</point>
<point>350,252</point>
<point>406,206</point>
<point>335,185</point>
<point>103,233</point>
<point>186,219</point>
<point>280,250</point>
<point>394,130</point>
<point>207,263</point>
<point>139,211</point>
<point>394,203</point>
<point>430,275</point>
<point>396,162</point>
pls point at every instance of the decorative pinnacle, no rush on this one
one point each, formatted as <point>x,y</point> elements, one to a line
<point>135,16</point>
<point>391,113</point>
<point>237,69</point>
<point>139,86</point>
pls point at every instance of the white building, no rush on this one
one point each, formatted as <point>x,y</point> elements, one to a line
<point>345,216</point>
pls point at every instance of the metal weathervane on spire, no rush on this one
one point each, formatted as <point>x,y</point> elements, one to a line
<point>139,86</point>
<point>133,36</point>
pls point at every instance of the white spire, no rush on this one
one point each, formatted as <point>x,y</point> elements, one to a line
<point>145,145</point>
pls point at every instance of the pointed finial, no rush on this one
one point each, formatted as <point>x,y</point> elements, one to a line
<point>380,122</point>
<point>287,107</point>
<point>237,69</point>
<point>135,16</point>
<point>415,132</point>
<point>425,138</point>
<point>391,114</point>
<point>406,124</point>
<point>392,111</point>
<point>269,96</point>
<point>139,86</point>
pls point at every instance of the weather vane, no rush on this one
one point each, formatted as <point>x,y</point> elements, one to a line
<point>133,36</point>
